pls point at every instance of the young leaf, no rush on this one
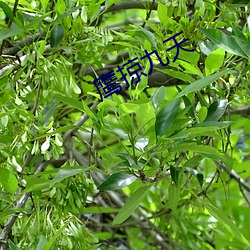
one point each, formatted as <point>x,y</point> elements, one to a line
<point>166,117</point>
<point>7,10</point>
<point>162,12</point>
<point>56,35</point>
<point>8,180</point>
<point>173,196</point>
<point>214,61</point>
<point>132,203</point>
<point>117,181</point>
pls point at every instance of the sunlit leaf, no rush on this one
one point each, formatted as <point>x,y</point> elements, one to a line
<point>173,196</point>
<point>214,61</point>
<point>158,97</point>
<point>8,180</point>
<point>117,181</point>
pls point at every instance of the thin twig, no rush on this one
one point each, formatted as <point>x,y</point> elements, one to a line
<point>148,14</point>
<point>235,176</point>
<point>80,122</point>
<point>37,97</point>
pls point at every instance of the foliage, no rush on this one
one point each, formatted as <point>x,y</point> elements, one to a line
<point>162,164</point>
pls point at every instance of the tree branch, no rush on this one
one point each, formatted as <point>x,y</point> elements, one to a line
<point>236,177</point>
<point>21,44</point>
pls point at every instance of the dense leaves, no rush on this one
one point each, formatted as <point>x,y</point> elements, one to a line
<point>161,161</point>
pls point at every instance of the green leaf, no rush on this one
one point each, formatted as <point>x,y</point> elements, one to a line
<point>70,101</point>
<point>162,12</point>
<point>98,210</point>
<point>198,85</point>
<point>143,34</point>
<point>174,172</point>
<point>9,211</point>
<point>8,180</point>
<point>193,132</point>
<point>13,246</point>
<point>13,31</point>
<point>193,57</point>
<point>202,114</point>
<point>44,3</point>
<point>49,244</point>
<point>56,35</point>
<point>198,175</point>
<point>190,68</point>
<point>41,243</point>
<point>219,125</point>
<point>66,172</point>
<point>216,110</point>
<point>35,184</point>
<point>132,203</point>
<point>214,61</point>
<point>166,117</point>
<point>223,41</point>
<point>227,223</point>
<point>204,150</point>
<point>117,181</point>
<point>173,196</point>
<point>177,74</point>
<point>68,12</point>
<point>244,45</point>
<point>49,110</point>
<point>7,10</point>
<point>158,97</point>
<point>128,108</point>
